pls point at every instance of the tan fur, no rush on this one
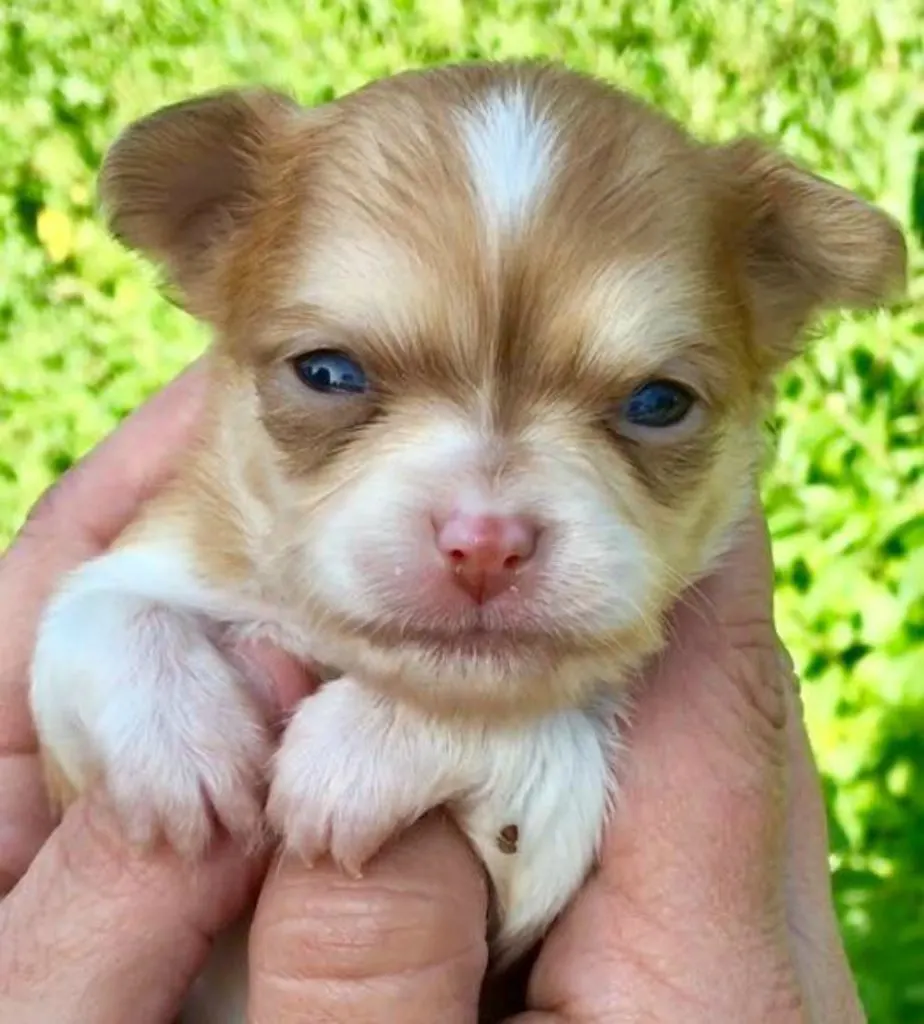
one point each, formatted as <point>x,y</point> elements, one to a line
<point>354,227</point>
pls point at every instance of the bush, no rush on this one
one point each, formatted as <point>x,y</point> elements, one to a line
<point>84,335</point>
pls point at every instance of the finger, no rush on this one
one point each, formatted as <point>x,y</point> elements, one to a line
<point>278,679</point>
<point>406,942</point>
<point>26,818</point>
<point>98,496</point>
<point>808,874</point>
<point>704,775</point>
<point>96,933</point>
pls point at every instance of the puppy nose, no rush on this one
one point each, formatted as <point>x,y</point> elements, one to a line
<point>485,553</point>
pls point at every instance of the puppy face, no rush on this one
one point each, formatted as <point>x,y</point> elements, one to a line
<point>493,345</point>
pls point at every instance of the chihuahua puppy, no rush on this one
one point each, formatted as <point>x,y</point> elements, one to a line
<point>492,349</point>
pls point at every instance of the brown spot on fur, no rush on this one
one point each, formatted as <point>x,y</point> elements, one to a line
<point>508,838</point>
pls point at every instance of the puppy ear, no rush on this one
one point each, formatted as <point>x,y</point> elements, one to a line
<point>177,183</point>
<point>808,246</point>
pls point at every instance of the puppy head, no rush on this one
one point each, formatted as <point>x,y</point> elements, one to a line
<point>493,345</point>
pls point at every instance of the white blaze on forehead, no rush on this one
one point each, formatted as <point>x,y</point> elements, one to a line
<point>511,150</point>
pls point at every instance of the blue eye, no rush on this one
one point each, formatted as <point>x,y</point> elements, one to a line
<point>660,403</point>
<point>331,372</point>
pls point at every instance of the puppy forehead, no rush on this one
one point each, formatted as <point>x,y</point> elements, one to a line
<point>403,227</point>
<point>445,211</point>
<point>634,313</point>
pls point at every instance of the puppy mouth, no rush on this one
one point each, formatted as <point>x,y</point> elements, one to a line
<point>490,635</point>
<point>475,639</point>
<point>493,623</point>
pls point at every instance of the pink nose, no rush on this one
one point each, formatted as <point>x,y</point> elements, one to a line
<point>485,553</point>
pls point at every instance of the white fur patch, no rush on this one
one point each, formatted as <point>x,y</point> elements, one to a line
<point>128,684</point>
<point>511,153</point>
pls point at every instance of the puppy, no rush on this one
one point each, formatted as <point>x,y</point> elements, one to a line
<point>492,349</point>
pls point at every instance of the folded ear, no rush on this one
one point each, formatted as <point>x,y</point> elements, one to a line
<point>808,246</point>
<point>176,183</point>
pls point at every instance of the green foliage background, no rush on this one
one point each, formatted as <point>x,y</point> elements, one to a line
<point>84,334</point>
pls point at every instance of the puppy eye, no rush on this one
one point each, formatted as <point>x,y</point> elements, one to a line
<point>657,404</point>
<point>330,372</point>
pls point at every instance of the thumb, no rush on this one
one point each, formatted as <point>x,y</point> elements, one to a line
<point>405,942</point>
<point>705,775</point>
<point>98,933</point>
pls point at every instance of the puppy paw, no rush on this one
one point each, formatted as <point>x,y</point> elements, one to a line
<point>135,695</point>
<point>354,768</point>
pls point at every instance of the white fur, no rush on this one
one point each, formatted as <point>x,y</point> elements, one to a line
<point>128,684</point>
<point>554,780</point>
<point>511,153</point>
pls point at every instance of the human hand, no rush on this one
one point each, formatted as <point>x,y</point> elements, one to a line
<point>709,903</point>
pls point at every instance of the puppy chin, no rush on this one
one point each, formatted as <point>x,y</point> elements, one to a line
<point>490,675</point>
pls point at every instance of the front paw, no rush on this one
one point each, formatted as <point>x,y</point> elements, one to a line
<point>191,769</point>
<point>137,697</point>
<point>353,770</point>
